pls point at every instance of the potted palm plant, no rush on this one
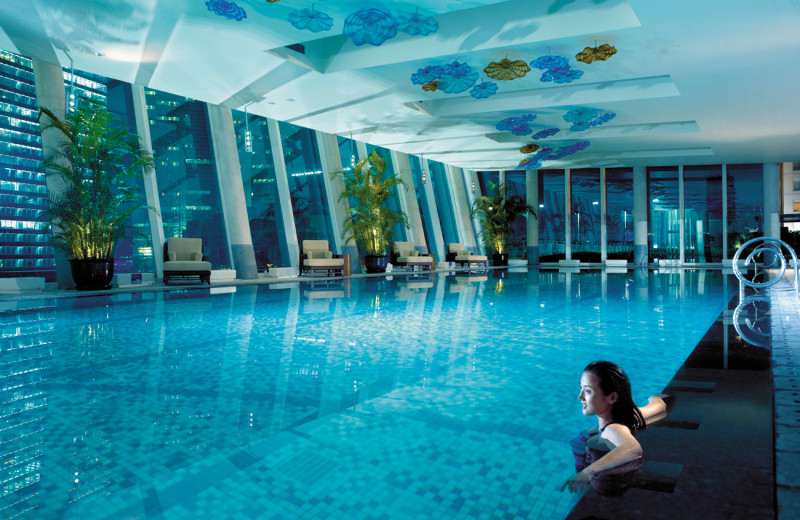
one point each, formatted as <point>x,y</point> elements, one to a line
<point>99,163</point>
<point>496,214</point>
<point>370,222</point>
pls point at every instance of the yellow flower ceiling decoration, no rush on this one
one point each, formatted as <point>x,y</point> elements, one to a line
<point>507,69</point>
<point>529,148</point>
<point>590,54</point>
<point>431,86</point>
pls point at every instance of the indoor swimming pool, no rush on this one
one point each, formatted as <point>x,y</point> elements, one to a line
<point>439,396</point>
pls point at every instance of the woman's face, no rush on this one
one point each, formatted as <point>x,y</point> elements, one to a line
<point>593,401</point>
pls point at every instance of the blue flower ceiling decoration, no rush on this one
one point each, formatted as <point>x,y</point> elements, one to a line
<point>561,75</point>
<point>457,77</point>
<point>370,25</point>
<point>556,69</point>
<point>517,125</point>
<point>227,9</point>
<point>529,163</point>
<point>547,132</point>
<point>548,154</point>
<point>550,63</point>
<point>415,24</point>
<point>585,118</point>
<point>483,90</point>
<point>310,19</point>
<point>427,74</point>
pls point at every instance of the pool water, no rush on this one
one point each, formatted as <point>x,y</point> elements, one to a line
<point>426,397</point>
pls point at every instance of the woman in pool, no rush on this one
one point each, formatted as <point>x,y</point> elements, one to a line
<point>606,393</point>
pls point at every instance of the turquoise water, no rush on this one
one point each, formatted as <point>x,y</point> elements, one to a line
<point>439,397</point>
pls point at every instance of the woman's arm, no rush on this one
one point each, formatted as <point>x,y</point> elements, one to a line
<point>626,449</point>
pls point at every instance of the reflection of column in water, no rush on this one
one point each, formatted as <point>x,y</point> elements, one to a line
<point>640,277</point>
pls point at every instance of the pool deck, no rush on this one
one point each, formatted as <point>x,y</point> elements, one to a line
<point>730,448</point>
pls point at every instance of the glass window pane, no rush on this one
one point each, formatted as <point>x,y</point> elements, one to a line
<point>585,187</point>
<point>664,226</point>
<point>187,178</point>
<point>745,204</point>
<point>261,192</point>
<point>552,227</point>
<point>422,202</point>
<point>393,203</point>
<point>619,211</point>
<point>484,178</point>
<point>702,209</point>
<point>26,247</point>
<point>444,205</point>
<point>518,242</point>
<point>310,205</point>
<point>134,253</point>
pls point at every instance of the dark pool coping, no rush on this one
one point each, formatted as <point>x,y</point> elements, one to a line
<point>730,448</point>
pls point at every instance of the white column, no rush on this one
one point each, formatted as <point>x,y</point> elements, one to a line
<point>724,211</point>
<point>568,211</point>
<point>150,182</point>
<point>331,160</point>
<point>640,253</point>
<point>603,215</point>
<point>284,196</point>
<point>772,200</point>
<point>532,199</point>
<point>455,182</point>
<point>231,188</point>
<point>681,209</point>
<point>407,196</point>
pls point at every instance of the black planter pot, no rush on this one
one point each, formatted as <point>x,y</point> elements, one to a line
<point>376,264</point>
<point>92,275</point>
<point>500,259</point>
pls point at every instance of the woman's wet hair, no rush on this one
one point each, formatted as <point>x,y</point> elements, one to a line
<point>611,378</point>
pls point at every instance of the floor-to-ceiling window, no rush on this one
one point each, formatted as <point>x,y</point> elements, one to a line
<point>585,189</point>
<point>422,202</point>
<point>261,191</point>
<point>26,247</point>
<point>518,241</point>
<point>444,205</point>
<point>664,222</point>
<point>619,213</point>
<point>393,203</point>
<point>312,217</point>
<point>552,226</point>
<point>745,187</point>
<point>484,178</point>
<point>702,209</point>
<point>134,252</point>
<point>187,179</point>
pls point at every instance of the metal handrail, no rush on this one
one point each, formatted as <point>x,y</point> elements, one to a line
<point>772,246</point>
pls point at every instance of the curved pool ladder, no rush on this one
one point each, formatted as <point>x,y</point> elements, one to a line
<point>772,246</point>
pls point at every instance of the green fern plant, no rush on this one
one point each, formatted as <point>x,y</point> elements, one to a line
<point>370,222</point>
<point>496,214</point>
<point>98,163</point>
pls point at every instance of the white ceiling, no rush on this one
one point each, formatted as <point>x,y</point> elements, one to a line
<point>693,81</point>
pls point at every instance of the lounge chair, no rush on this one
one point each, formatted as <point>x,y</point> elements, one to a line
<point>458,254</point>
<point>183,258</point>
<point>317,256</point>
<point>404,255</point>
